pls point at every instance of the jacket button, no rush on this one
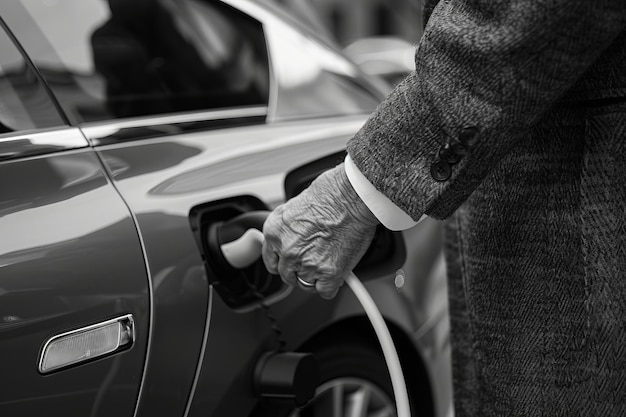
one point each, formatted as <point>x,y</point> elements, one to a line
<point>440,170</point>
<point>447,154</point>
<point>468,136</point>
<point>457,147</point>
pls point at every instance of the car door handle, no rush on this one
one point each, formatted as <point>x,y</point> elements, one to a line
<point>87,343</point>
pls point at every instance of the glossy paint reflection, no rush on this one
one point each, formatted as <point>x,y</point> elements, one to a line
<point>207,166</point>
<point>199,168</point>
<point>69,257</point>
<point>310,76</point>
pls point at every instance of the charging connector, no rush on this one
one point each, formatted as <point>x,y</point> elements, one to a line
<point>245,248</point>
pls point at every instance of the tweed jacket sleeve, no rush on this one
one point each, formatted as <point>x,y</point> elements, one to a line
<point>486,70</point>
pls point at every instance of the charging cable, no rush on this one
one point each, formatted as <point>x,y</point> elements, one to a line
<point>400,391</point>
<point>246,249</point>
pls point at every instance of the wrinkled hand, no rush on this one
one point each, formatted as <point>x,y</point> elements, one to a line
<point>319,235</point>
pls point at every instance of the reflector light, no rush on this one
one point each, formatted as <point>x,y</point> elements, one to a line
<point>86,343</point>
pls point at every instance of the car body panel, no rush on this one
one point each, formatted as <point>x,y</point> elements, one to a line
<point>129,186</point>
<point>196,168</point>
<point>39,143</point>
<point>70,257</point>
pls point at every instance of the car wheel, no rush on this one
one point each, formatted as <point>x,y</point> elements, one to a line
<point>354,381</point>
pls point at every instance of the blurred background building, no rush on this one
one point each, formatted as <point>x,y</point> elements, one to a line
<point>349,20</point>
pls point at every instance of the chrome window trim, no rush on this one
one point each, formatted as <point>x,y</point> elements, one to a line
<point>22,145</point>
<point>104,132</point>
<point>265,18</point>
<point>271,23</point>
<point>180,118</point>
<point>272,99</point>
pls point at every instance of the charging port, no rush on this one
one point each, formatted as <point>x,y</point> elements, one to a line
<point>241,289</point>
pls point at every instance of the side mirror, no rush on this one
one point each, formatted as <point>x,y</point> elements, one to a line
<point>388,57</point>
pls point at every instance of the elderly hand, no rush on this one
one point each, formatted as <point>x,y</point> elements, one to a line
<point>319,235</point>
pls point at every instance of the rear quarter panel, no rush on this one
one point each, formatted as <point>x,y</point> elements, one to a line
<point>201,348</point>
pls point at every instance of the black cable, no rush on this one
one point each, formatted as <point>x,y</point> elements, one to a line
<point>268,314</point>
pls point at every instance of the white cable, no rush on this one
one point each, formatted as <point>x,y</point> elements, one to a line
<point>247,248</point>
<point>386,342</point>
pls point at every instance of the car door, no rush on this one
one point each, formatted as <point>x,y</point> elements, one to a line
<point>192,125</point>
<point>74,294</point>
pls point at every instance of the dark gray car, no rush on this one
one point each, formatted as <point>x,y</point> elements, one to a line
<point>128,129</point>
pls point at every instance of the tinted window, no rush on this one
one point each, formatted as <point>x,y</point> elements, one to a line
<point>313,78</point>
<point>24,102</point>
<point>106,59</point>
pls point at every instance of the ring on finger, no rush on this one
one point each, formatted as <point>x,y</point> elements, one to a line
<point>305,283</point>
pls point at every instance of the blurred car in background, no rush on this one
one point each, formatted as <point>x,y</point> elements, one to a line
<point>128,129</point>
<point>389,57</point>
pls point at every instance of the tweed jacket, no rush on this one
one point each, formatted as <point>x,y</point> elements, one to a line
<point>513,128</point>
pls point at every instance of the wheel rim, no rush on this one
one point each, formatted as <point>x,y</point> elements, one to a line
<point>348,397</point>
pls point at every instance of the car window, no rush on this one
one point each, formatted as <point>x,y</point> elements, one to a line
<point>310,74</point>
<point>107,59</point>
<point>24,101</point>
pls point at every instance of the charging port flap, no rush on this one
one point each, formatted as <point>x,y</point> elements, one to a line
<point>241,289</point>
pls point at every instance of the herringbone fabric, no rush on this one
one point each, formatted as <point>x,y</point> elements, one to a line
<point>537,274</point>
<point>536,242</point>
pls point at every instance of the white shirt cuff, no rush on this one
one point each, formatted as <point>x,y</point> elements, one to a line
<point>390,215</point>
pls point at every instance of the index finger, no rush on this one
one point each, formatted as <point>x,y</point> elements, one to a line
<point>270,257</point>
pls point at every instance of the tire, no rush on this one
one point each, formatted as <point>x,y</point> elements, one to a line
<point>353,376</point>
